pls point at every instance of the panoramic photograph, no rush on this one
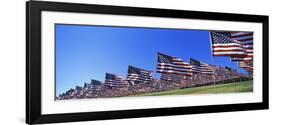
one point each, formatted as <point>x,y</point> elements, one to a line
<point>95,61</point>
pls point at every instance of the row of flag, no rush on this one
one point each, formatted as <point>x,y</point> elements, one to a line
<point>174,69</point>
<point>135,75</point>
<point>236,45</point>
<point>170,68</point>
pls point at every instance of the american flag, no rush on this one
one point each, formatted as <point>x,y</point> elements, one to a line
<point>172,65</point>
<point>139,75</point>
<point>201,67</point>
<point>78,91</point>
<point>247,65</point>
<point>246,40</point>
<point>171,77</point>
<point>206,69</point>
<point>224,45</point>
<point>95,85</point>
<point>113,80</point>
<point>195,64</point>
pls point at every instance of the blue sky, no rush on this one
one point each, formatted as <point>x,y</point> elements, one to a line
<point>88,52</point>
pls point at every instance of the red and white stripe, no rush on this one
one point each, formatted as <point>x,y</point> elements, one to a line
<point>247,65</point>
<point>232,49</point>
<point>246,40</point>
<point>178,67</point>
<point>206,69</point>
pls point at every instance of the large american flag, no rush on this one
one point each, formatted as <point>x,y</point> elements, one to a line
<point>113,80</point>
<point>201,67</point>
<point>172,65</point>
<point>224,45</point>
<point>139,75</point>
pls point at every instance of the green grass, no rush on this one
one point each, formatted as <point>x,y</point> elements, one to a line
<point>245,86</point>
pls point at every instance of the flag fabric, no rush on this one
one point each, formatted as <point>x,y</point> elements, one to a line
<point>78,91</point>
<point>136,74</point>
<point>246,40</point>
<point>224,45</point>
<point>201,67</point>
<point>95,84</point>
<point>113,80</point>
<point>206,69</point>
<point>172,65</point>
<point>171,77</point>
<point>246,58</point>
<point>247,65</point>
<point>195,65</point>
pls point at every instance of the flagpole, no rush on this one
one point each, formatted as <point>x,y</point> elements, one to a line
<point>212,60</point>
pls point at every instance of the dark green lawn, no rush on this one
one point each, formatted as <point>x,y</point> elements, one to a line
<point>245,86</point>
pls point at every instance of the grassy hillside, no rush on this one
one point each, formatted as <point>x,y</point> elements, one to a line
<point>245,86</point>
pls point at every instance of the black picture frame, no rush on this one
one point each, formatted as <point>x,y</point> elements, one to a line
<point>33,61</point>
